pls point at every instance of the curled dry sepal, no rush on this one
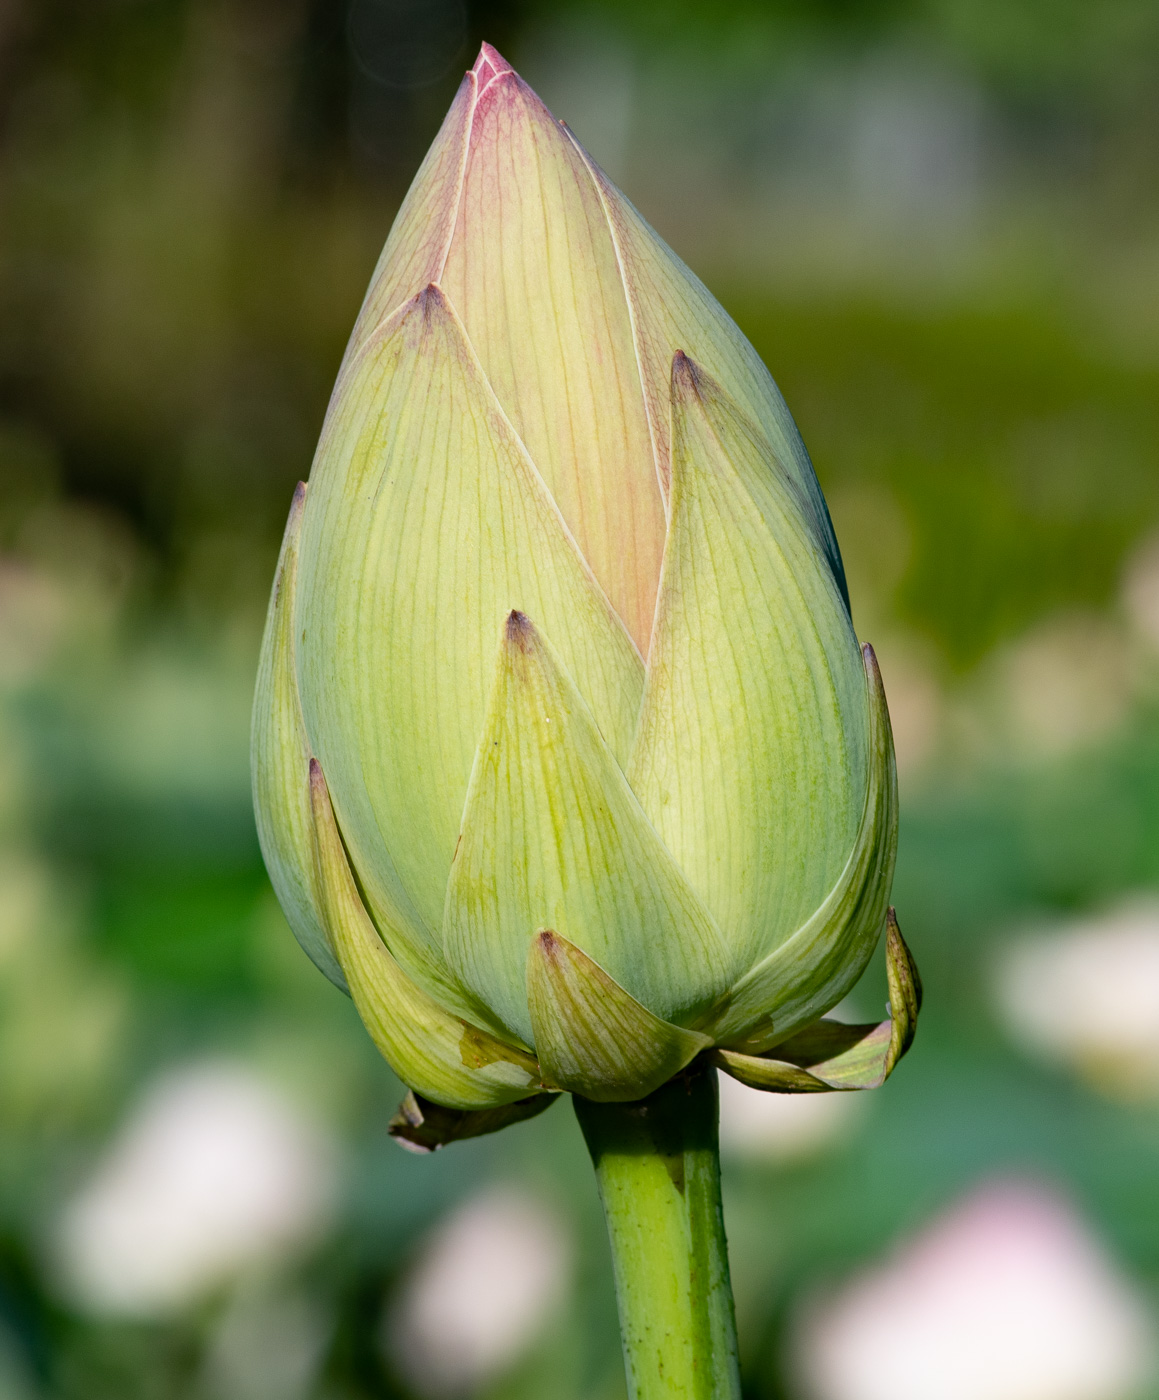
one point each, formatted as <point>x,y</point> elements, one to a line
<point>567,762</point>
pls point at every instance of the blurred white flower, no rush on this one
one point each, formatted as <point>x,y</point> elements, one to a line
<point>782,1127</point>
<point>214,1171</point>
<point>1088,995</point>
<point>1006,1297</point>
<point>486,1282</point>
<point>266,1348</point>
<point>1064,685</point>
<point>916,708</point>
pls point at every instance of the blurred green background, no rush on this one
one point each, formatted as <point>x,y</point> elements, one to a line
<point>938,221</point>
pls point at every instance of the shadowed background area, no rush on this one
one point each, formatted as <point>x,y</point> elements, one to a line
<point>938,221</point>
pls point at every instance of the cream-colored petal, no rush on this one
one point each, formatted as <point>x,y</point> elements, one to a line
<point>442,1056</point>
<point>428,524</point>
<point>553,837</point>
<point>532,271</point>
<point>812,970</point>
<point>751,753</point>
<point>673,310</point>
<point>280,763</point>
<point>592,1037</point>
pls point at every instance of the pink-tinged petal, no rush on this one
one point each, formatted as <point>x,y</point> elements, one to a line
<point>673,310</point>
<point>490,64</point>
<point>533,273</point>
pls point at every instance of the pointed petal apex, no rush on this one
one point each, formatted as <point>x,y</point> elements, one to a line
<point>416,250</point>
<point>423,1126</point>
<point>552,836</point>
<point>490,64</point>
<point>532,270</point>
<point>592,1037</point>
<point>521,634</point>
<point>905,992</point>
<point>686,378</point>
<point>443,1057</point>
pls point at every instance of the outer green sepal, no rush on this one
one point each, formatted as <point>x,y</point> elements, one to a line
<point>592,1037</point>
<point>830,1055</point>
<point>442,1056</point>
<point>423,1126</point>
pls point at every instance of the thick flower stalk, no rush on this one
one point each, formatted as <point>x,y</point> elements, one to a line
<point>567,762</point>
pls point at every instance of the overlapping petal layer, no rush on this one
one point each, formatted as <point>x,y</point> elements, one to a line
<point>438,1054</point>
<point>532,271</point>
<point>427,525</point>
<point>554,838</point>
<point>592,1037</point>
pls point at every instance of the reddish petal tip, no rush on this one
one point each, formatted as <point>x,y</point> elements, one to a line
<point>489,65</point>
<point>548,942</point>
<point>686,375</point>
<point>520,632</point>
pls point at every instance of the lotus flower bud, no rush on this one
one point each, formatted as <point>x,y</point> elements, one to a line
<point>567,762</point>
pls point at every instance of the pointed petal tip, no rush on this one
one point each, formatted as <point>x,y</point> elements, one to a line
<point>687,377</point>
<point>317,779</point>
<point>489,65</point>
<point>299,499</point>
<point>521,634</point>
<point>872,669</point>
<point>431,300</point>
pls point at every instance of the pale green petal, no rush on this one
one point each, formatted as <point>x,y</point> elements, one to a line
<point>280,763</point>
<point>532,271</point>
<point>417,245</point>
<point>673,310</point>
<point>751,753</point>
<point>427,525</point>
<point>553,837</point>
<point>814,969</point>
<point>592,1037</point>
<point>832,1055</point>
<point>445,1058</point>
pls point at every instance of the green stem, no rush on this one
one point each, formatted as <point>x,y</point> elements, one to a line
<point>658,1166</point>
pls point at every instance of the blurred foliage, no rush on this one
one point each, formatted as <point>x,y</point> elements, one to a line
<point>192,195</point>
